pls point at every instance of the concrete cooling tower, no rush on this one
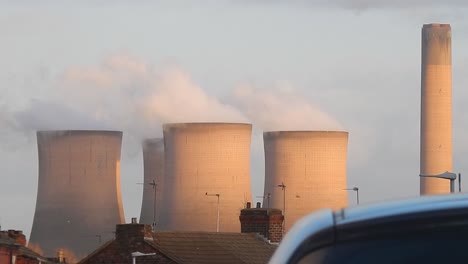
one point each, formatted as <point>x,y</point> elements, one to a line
<point>206,163</point>
<point>78,199</point>
<point>436,107</point>
<point>153,164</point>
<point>312,167</point>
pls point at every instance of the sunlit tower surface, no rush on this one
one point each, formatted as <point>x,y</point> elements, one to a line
<point>305,171</point>
<point>436,107</point>
<point>203,158</point>
<point>78,199</point>
<point>153,166</point>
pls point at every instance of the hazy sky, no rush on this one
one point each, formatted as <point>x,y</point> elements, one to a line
<point>132,65</point>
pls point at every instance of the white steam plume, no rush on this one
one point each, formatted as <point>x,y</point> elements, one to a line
<point>180,100</point>
<point>123,93</point>
<point>281,109</point>
<point>126,93</point>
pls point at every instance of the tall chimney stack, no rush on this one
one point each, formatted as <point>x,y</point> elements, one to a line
<point>436,107</point>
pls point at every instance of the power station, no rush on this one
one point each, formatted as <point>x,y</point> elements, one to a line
<point>78,197</point>
<point>197,178</point>
<point>436,107</point>
<point>207,175</point>
<point>305,171</point>
<point>153,168</point>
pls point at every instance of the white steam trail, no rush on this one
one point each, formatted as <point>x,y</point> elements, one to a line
<point>123,93</point>
<point>281,109</point>
<point>126,93</point>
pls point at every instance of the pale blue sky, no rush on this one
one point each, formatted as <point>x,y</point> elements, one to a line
<point>358,61</point>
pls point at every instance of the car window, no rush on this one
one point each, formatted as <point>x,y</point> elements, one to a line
<point>432,246</point>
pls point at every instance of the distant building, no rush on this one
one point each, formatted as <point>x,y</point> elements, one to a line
<point>153,184</point>
<point>305,171</point>
<point>78,195</point>
<point>207,167</point>
<point>13,250</point>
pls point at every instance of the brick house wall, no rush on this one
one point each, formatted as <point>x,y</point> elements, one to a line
<point>25,260</point>
<point>13,241</point>
<point>5,254</point>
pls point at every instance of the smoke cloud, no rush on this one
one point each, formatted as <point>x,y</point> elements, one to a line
<point>280,108</point>
<point>122,93</point>
<point>41,115</point>
<point>180,100</point>
<point>126,93</point>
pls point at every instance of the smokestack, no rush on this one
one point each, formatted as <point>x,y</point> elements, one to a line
<point>305,171</point>
<point>436,107</point>
<point>153,164</point>
<point>78,195</point>
<point>206,163</point>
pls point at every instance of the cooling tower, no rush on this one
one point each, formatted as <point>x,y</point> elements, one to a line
<point>201,159</point>
<point>436,107</point>
<point>78,199</point>
<point>312,167</point>
<point>153,164</point>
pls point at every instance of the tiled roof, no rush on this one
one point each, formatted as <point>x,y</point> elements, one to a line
<point>114,252</point>
<point>22,250</point>
<point>207,247</point>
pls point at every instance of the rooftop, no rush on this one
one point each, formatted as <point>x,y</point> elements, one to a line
<point>209,247</point>
<point>184,247</point>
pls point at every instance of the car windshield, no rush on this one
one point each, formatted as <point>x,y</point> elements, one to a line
<point>447,246</point>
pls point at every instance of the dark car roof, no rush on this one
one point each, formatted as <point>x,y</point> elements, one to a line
<point>401,207</point>
<point>327,220</point>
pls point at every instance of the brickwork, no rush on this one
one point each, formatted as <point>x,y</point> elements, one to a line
<point>275,228</point>
<point>13,249</point>
<point>264,221</point>
<point>5,254</point>
<point>8,254</point>
<point>14,235</point>
<point>134,232</point>
<point>26,260</point>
